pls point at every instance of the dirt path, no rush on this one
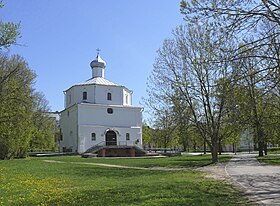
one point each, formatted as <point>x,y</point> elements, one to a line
<point>121,166</point>
<point>216,171</point>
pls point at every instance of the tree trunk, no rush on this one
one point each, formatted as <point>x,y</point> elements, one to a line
<point>194,146</point>
<point>220,147</point>
<point>265,148</point>
<point>185,144</point>
<point>204,147</point>
<point>260,140</point>
<point>214,152</point>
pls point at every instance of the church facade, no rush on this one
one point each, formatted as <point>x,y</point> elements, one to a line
<point>99,112</point>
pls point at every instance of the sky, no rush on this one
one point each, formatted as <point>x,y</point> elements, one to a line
<point>59,39</point>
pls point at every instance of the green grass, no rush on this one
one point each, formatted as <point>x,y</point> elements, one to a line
<point>177,162</point>
<point>35,182</point>
<point>271,159</point>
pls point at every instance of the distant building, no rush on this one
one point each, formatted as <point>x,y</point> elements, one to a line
<point>55,117</point>
<point>99,112</point>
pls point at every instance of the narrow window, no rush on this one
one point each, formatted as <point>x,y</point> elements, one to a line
<point>69,98</point>
<point>68,113</point>
<point>84,95</point>
<point>127,136</point>
<point>93,136</point>
<point>126,99</point>
<point>109,96</point>
<point>110,111</point>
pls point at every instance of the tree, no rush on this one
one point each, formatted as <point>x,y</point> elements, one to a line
<point>147,134</point>
<point>16,81</point>
<point>188,66</point>
<point>9,32</point>
<point>182,114</point>
<point>241,19</point>
<point>23,115</point>
<point>24,119</point>
<point>256,26</point>
<point>44,127</point>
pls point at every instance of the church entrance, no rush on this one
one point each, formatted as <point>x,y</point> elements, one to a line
<point>111,138</point>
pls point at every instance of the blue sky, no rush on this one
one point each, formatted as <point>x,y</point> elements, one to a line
<point>60,39</point>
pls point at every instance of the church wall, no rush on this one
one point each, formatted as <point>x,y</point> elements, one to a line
<point>90,114</point>
<point>127,99</point>
<point>85,136</point>
<point>101,95</point>
<point>69,129</point>
<point>97,94</point>
<point>75,95</point>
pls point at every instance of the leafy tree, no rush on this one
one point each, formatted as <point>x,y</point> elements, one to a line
<point>241,19</point>
<point>166,129</point>
<point>9,32</point>
<point>188,66</point>
<point>16,81</point>
<point>44,127</point>
<point>256,26</point>
<point>23,119</point>
<point>147,134</point>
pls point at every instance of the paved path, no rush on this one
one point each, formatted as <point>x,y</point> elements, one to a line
<point>260,182</point>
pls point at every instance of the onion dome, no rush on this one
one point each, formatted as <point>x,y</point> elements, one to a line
<point>98,62</point>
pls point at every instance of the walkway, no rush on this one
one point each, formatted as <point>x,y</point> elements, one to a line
<point>260,182</point>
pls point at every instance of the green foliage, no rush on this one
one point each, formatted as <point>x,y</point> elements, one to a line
<point>255,25</point>
<point>23,117</point>
<point>34,182</point>
<point>44,127</point>
<point>15,106</point>
<point>9,33</point>
<point>147,134</point>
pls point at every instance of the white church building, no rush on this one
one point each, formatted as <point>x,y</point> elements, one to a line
<point>99,114</point>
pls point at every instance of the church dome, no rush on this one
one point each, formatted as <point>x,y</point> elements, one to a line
<point>98,62</point>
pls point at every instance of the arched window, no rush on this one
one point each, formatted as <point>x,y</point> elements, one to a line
<point>126,99</point>
<point>93,136</point>
<point>109,96</point>
<point>127,136</point>
<point>84,95</point>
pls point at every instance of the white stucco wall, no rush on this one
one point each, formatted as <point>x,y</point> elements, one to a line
<point>86,142</point>
<point>93,114</point>
<point>127,97</point>
<point>97,94</point>
<point>69,128</point>
<point>101,95</point>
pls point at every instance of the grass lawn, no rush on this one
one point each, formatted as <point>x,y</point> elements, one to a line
<point>185,161</point>
<point>272,159</point>
<point>35,182</point>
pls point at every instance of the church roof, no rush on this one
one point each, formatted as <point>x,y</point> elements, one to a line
<point>99,81</point>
